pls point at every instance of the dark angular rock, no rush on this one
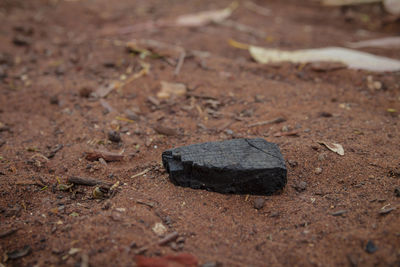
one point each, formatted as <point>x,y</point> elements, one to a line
<point>114,136</point>
<point>370,247</point>
<point>243,166</point>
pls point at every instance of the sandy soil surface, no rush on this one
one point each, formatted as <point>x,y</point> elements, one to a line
<point>55,56</point>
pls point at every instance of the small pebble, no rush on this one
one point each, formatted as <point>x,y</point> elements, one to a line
<point>322,156</point>
<point>339,213</point>
<point>131,115</point>
<point>318,170</point>
<point>370,247</point>
<point>85,92</point>
<point>228,131</point>
<point>300,186</point>
<point>106,205</point>
<point>325,114</point>
<point>397,191</point>
<point>3,73</point>
<point>114,136</point>
<point>54,100</point>
<point>259,203</point>
<point>293,163</point>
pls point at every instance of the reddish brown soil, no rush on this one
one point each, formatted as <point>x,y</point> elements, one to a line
<point>70,43</point>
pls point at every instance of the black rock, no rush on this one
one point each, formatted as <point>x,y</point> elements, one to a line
<point>370,247</point>
<point>396,190</point>
<point>114,136</point>
<point>243,166</point>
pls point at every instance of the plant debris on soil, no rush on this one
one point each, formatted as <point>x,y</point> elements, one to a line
<point>93,92</point>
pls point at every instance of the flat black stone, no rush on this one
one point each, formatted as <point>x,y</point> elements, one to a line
<point>242,166</point>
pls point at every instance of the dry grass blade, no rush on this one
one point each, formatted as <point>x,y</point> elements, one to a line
<point>140,173</point>
<point>180,63</point>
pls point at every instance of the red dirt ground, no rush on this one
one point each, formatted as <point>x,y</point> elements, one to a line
<point>53,53</point>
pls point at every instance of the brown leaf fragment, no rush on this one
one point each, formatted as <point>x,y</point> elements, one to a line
<point>107,156</point>
<point>83,181</point>
<point>260,123</point>
<point>165,130</point>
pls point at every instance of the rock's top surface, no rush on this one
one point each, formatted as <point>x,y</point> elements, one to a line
<point>232,166</point>
<point>231,154</point>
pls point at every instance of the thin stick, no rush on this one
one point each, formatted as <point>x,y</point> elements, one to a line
<point>140,173</point>
<point>180,63</point>
<point>277,120</point>
<point>168,238</point>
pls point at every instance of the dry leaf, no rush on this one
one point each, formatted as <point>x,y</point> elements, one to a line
<point>171,89</point>
<point>337,148</point>
<point>392,6</point>
<point>353,59</point>
<point>387,42</point>
<point>205,17</point>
